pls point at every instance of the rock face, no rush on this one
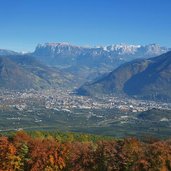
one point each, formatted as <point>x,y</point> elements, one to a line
<point>65,54</point>
<point>143,78</point>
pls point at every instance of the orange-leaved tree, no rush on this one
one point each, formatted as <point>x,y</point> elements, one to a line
<point>9,160</point>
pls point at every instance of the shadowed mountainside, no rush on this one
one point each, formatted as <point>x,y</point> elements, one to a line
<point>19,72</point>
<point>145,78</point>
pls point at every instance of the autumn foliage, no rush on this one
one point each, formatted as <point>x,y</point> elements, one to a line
<point>23,151</point>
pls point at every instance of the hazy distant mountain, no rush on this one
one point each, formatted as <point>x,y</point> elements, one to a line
<point>87,63</point>
<point>145,78</point>
<point>4,52</point>
<point>20,72</point>
<point>65,54</point>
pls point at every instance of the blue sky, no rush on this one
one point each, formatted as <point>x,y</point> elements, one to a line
<point>25,23</point>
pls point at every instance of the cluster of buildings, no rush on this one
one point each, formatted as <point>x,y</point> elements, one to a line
<point>66,100</point>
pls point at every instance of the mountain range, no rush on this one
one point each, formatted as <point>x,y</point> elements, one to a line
<point>116,69</point>
<point>143,78</point>
<point>88,63</point>
<point>65,54</point>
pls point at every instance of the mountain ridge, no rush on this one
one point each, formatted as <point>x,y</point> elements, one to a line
<point>78,53</point>
<point>63,62</point>
<point>4,52</point>
<point>146,78</point>
<point>87,63</point>
<point>21,72</point>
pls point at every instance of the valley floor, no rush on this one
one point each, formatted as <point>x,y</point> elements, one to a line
<point>63,110</point>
